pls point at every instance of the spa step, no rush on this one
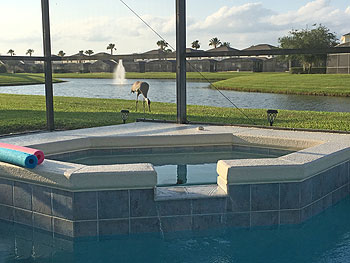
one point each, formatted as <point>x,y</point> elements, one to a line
<point>188,192</point>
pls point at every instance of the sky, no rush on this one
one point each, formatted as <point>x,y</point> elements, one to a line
<point>90,24</point>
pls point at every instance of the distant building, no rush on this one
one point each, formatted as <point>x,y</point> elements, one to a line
<point>340,63</point>
<point>345,38</point>
<point>240,64</point>
<point>261,47</point>
<point>222,48</point>
<point>103,66</point>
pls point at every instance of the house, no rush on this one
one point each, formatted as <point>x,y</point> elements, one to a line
<point>160,66</point>
<point>222,49</point>
<point>240,64</point>
<point>345,38</point>
<point>202,65</point>
<point>261,47</point>
<point>103,66</point>
<point>340,63</point>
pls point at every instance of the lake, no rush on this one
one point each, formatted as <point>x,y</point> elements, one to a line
<point>198,93</point>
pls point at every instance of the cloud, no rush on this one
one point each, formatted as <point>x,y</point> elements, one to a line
<point>241,25</point>
<point>128,33</point>
<point>347,11</point>
<point>252,23</point>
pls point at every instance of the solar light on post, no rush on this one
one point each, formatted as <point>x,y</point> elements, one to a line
<point>271,116</point>
<point>125,115</point>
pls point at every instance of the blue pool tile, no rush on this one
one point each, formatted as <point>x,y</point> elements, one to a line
<point>305,213</point>
<point>317,207</point>
<point>305,193</point>
<point>6,213</point>
<point>239,198</point>
<point>85,206</point>
<point>42,200</point>
<point>289,195</point>
<point>270,218</point>
<point>264,197</point>
<point>343,174</point>
<point>327,201</point>
<point>42,237</point>
<point>23,217</point>
<point>328,179</point>
<point>177,207</point>
<point>288,217</point>
<point>339,194</point>
<point>144,225</point>
<point>6,192</point>
<point>22,195</point>
<point>184,149</point>
<point>113,204</point>
<point>63,227</point>
<point>142,203</point>
<point>43,222</point>
<point>316,182</point>
<point>62,204</point>
<point>85,228</point>
<point>113,227</point>
<point>202,222</point>
<point>237,219</point>
<point>176,223</point>
<point>208,206</point>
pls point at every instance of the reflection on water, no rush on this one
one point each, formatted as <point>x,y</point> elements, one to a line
<point>197,94</point>
<point>325,238</point>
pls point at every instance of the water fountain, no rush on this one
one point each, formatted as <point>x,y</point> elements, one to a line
<point>119,74</point>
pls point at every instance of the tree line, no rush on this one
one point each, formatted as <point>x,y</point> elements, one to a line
<point>319,36</point>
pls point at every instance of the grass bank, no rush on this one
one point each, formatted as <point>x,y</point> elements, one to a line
<point>285,83</point>
<point>19,113</point>
<point>8,79</point>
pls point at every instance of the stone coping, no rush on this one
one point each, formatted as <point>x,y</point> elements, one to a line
<point>316,152</point>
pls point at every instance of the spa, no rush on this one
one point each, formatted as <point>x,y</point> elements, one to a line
<point>103,181</point>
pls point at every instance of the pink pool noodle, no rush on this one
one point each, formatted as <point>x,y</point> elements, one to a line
<point>39,154</point>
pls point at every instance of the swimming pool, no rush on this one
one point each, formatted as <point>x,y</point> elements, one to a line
<point>173,165</point>
<point>324,238</point>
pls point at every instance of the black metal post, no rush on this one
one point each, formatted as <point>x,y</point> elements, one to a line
<point>181,61</point>
<point>47,65</point>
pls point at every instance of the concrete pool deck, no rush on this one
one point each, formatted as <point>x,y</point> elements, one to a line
<point>272,191</point>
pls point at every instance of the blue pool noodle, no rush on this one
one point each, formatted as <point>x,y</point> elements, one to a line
<point>18,158</point>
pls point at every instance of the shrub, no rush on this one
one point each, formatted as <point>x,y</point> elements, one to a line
<point>300,70</point>
<point>3,69</point>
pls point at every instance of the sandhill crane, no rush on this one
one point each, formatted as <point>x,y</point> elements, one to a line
<point>141,87</point>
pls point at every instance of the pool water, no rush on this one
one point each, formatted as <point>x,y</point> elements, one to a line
<point>190,167</point>
<point>324,238</point>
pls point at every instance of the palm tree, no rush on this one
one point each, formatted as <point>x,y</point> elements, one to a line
<point>11,52</point>
<point>111,47</point>
<point>81,52</point>
<point>226,44</point>
<point>30,51</point>
<point>162,45</point>
<point>196,44</point>
<point>61,53</point>
<point>214,42</point>
<point>89,52</point>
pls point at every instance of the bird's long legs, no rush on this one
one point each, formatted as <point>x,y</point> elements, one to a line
<point>137,100</point>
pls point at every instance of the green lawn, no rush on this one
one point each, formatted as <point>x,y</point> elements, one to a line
<point>20,113</point>
<point>306,84</point>
<point>7,79</point>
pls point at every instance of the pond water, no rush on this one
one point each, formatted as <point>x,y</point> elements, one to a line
<point>198,93</point>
